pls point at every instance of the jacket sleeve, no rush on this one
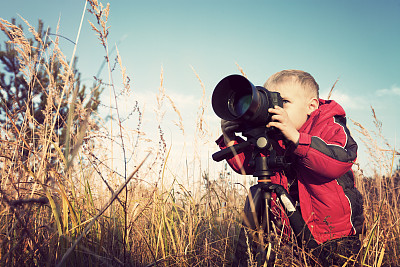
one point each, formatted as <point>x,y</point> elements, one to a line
<point>240,163</point>
<point>332,153</point>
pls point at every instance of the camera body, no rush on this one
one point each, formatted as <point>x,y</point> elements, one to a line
<point>235,98</point>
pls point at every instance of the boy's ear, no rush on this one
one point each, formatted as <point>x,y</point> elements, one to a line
<point>313,105</point>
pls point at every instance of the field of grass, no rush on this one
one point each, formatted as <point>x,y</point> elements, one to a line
<point>68,204</point>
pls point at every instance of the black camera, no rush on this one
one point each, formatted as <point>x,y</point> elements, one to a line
<point>235,98</point>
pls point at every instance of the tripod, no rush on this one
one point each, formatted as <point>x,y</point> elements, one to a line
<point>255,239</point>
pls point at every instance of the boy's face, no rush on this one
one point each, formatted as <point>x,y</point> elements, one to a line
<point>297,104</point>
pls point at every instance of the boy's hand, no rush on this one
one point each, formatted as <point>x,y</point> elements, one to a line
<point>228,131</point>
<point>281,121</point>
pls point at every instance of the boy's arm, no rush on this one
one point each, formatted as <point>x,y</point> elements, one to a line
<point>240,163</point>
<point>332,154</point>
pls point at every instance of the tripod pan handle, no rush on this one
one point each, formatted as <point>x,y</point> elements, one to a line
<point>230,152</point>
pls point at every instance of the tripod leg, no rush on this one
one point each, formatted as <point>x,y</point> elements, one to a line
<point>267,251</point>
<point>241,257</point>
<point>251,242</point>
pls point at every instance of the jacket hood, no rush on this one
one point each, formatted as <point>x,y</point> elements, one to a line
<point>330,108</point>
<point>326,110</point>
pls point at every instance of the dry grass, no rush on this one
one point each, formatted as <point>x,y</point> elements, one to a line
<point>74,205</point>
<point>381,198</point>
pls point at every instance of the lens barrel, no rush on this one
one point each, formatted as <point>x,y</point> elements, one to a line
<point>235,98</point>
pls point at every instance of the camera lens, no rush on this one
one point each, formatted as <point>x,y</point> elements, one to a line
<point>239,104</point>
<point>236,99</point>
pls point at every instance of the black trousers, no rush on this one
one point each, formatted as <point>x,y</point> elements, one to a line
<point>338,251</point>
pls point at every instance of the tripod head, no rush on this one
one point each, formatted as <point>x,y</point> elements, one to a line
<point>262,141</point>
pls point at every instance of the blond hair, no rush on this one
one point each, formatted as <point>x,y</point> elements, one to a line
<point>305,79</point>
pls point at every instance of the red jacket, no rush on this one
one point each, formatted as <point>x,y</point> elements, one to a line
<point>330,204</point>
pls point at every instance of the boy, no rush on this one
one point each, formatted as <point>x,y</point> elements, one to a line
<point>320,179</point>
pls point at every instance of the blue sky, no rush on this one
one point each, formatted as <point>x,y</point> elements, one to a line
<point>356,41</point>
